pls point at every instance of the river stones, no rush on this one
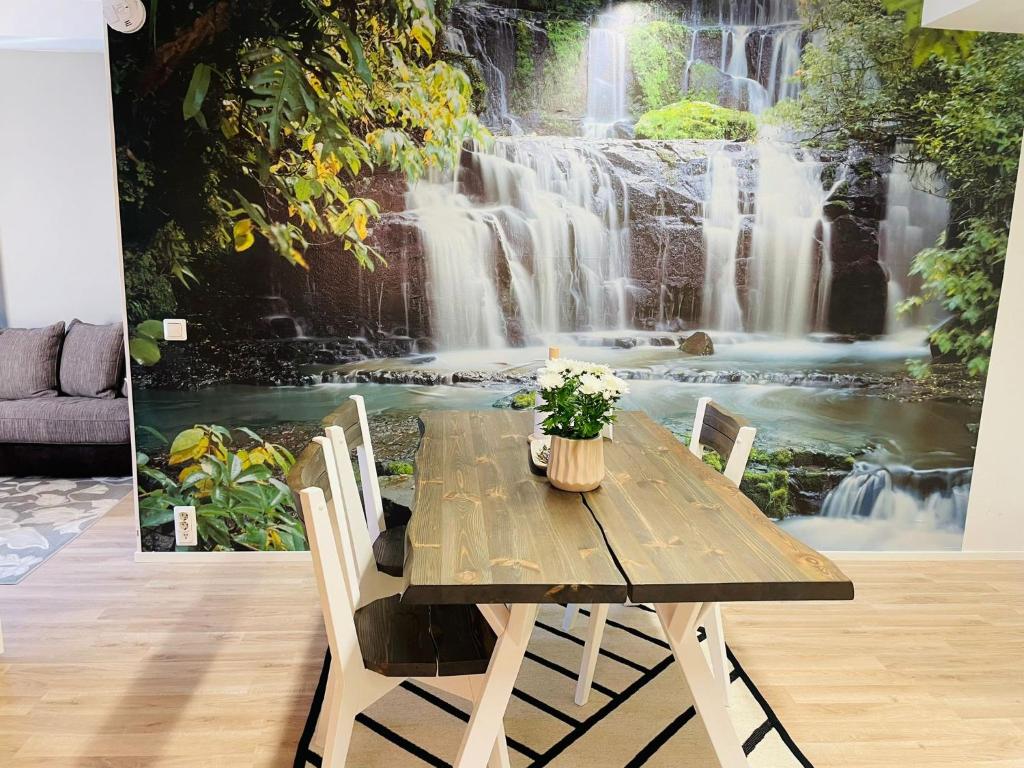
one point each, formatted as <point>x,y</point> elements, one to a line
<point>698,343</point>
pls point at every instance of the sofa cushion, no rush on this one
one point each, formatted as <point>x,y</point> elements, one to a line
<point>28,361</point>
<point>64,421</point>
<point>92,361</point>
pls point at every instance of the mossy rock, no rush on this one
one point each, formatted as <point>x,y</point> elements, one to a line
<point>398,468</point>
<point>769,491</point>
<point>696,120</point>
<point>520,400</point>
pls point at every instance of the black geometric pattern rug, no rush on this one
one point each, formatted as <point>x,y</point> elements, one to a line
<point>640,712</point>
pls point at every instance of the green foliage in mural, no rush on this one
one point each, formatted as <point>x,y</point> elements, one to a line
<point>924,43</point>
<point>550,72</point>
<point>696,120</point>
<point>769,490</point>
<point>240,496</point>
<point>657,55</point>
<point>260,115</point>
<point>957,100</point>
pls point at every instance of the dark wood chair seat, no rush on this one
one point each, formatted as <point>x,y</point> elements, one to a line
<point>401,640</point>
<point>389,550</point>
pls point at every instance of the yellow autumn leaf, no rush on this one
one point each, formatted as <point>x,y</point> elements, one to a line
<point>420,34</point>
<point>274,540</point>
<point>189,453</point>
<point>258,456</point>
<point>244,237</point>
<point>191,469</point>
<point>359,221</point>
<point>298,259</point>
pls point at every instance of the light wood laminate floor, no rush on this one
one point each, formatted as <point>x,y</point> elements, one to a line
<point>116,664</point>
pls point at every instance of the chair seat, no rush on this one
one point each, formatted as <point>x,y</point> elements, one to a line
<point>389,551</point>
<point>399,640</point>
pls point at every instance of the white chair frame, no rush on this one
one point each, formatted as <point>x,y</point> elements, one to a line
<point>710,615</point>
<point>373,503</point>
<point>345,571</point>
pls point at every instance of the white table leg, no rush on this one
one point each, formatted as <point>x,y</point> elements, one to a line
<point>489,709</point>
<point>591,650</point>
<point>680,625</point>
<point>716,647</point>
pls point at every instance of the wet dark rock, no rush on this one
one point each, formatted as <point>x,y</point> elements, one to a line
<point>698,343</point>
<point>627,342</point>
<point>663,341</point>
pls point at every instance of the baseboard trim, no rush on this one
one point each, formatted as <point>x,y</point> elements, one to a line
<point>236,558</point>
<point>922,555</point>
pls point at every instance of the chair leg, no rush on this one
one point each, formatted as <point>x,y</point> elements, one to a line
<point>591,650</point>
<point>716,647</point>
<point>572,611</point>
<point>341,718</point>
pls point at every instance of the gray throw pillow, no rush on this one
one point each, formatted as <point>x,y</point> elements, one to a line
<point>28,361</point>
<point>92,363</point>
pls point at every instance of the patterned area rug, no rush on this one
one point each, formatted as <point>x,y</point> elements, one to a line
<point>640,712</point>
<point>38,516</point>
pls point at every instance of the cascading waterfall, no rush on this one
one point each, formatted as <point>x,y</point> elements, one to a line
<point>929,499</point>
<point>545,248</point>
<point>916,214</point>
<point>606,77</point>
<point>721,225</point>
<point>790,243</point>
<point>464,309</point>
<point>747,93</point>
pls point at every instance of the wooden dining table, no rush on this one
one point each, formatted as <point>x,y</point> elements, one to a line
<point>663,528</point>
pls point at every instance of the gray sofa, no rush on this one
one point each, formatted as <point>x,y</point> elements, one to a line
<point>63,412</point>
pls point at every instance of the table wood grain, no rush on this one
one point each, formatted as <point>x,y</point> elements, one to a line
<point>486,530</point>
<point>681,532</point>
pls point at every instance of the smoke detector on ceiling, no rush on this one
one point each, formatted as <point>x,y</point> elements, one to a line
<point>124,15</point>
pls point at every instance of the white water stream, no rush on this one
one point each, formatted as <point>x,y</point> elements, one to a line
<point>916,214</point>
<point>545,249</point>
<point>606,75</point>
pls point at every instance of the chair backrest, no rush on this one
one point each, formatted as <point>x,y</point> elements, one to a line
<point>350,510</point>
<point>351,419</point>
<point>730,436</point>
<point>317,468</point>
<point>332,579</point>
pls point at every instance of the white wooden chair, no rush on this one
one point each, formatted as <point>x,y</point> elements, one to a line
<point>388,543</point>
<point>376,642</point>
<point>731,437</point>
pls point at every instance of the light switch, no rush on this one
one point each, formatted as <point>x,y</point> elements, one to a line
<point>175,330</point>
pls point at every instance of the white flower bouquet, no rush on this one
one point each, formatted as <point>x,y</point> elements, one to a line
<point>579,398</point>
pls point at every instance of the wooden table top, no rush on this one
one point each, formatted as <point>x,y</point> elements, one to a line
<point>683,533</point>
<point>487,530</point>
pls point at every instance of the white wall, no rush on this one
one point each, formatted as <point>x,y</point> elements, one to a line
<point>980,15</point>
<point>995,515</point>
<point>59,239</point>
<point>52,25</point>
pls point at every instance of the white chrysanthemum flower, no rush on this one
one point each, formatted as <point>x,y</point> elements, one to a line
<point>591,384</point>
<point>550,379</point>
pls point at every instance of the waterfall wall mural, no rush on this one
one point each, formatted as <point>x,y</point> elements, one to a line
<point>416,218</point>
